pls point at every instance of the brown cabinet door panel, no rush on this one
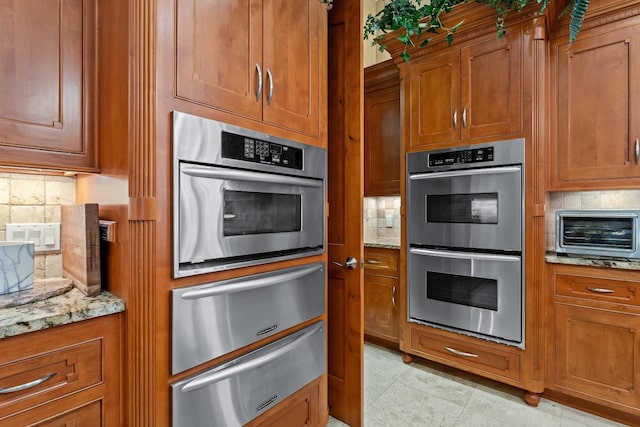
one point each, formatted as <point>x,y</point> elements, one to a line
<point>219,54</point>
<point>596,94</point>
<point>380,306</point>
<point>596,354</point>
<point>291,65</point>
<point>434,98</point>
<point>491,87</point>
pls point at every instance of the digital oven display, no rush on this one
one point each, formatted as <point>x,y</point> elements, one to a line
<point>240,147</point>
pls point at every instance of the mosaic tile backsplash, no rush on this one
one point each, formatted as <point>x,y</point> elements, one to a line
<point>382,220</point>
<point>583,200</point>
<point>26,198</point>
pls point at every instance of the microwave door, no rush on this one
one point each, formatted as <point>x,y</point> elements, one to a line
<point>473,208</point>
<point>230,214</point>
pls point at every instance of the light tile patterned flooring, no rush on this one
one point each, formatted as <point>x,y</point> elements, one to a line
<point>415,395</point>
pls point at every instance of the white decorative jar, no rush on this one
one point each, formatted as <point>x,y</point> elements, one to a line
<point>16,266</point>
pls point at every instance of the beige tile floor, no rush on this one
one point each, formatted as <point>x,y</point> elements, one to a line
<point>399,395</point>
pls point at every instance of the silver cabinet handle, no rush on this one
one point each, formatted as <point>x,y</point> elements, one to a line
<point>601,290</point>
<point>270,95</point>
<point>239,285</point>
<point>372,261</point>
<point>351,263</point>
<point>637,151</point>
<point>455,118</point>
<point>242,175</point>
<point>460,353</point>
<point>288,345</point>
<point>393,296</point>
<point>448,174</point>
<point>464,117</point>
<point>28,385</point>
<point>259,91</point>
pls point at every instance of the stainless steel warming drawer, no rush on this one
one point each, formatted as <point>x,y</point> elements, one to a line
<point>213,319</point>
<point>236,392</point>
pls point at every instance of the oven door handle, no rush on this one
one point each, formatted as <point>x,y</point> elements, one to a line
<point>217,376</point>
<point>244,285</point>
<point>241,175</point>
<point>465,172</point>
<point>465,255</point>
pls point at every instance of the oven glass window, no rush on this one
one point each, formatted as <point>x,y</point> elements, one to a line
<point>598,232</point>
<point>260,213</point>
<point>475,208</point>
<point>470,291</point>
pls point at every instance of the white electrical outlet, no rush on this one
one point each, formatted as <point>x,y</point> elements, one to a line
<point>45,236</point>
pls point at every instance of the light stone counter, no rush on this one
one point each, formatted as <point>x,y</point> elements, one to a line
<point>384,245</point>
<point>622,264</point>
<point>69,307</point>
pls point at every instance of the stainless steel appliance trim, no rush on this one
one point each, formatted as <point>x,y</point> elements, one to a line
<point>466,172</point>
<point>465,255</point>
<point>244,285</point>
<point>283,347</point>
<point>242,175</point>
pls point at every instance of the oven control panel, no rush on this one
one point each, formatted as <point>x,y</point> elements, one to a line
<point>240,147</point>
<point>449,158</point>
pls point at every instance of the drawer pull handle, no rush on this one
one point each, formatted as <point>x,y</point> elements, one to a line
<point>460,353</point>
<point>600,290</point>
<point>259,91</point>
<point>28,385</point>
<point>393,296</point>
<point>455,119</point>
<point>372,261</point>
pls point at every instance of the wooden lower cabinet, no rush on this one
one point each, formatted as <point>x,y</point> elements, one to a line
<point>596,342</point>
<point>381,284</point>
<point>65,375</point>
<point>302,409</point>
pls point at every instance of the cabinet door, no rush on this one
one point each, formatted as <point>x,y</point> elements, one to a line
<point>596,92</point>
<point>434,97</point>
<point>382,142</point>
<point>596,354</point>
<point>291,55</point>
<point>219,54</point>
<point>491,87</point>
<point>47,58</point>
<point>380,309</point>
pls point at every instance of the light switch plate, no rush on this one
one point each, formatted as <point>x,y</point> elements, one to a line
<point>45,236</point>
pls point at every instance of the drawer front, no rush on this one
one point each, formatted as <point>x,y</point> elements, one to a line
<point>38,379</point>
<point>460,353</point>
<point>238,391</point>
<point>381,262</point>
<point>88,415</point>
<point>596,288</point>
<point>217,318</point>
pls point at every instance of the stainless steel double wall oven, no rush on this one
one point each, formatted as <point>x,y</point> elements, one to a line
<point>244,198</point>
<point>465,234</point>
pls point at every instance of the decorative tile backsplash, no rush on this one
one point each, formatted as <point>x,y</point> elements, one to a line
<point>382,220</point>
<point>583,200</point>
<point>35,198</point>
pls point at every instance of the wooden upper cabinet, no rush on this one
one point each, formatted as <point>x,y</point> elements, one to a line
<point>467,93</point>
<point>382,130</point>
<point>235,56</point>
<point>596,122</point>
<point>47,84</point>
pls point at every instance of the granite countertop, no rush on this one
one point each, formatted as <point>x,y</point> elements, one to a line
<point>382,245</point>
<point>69,307</point>
<point>552,257</point>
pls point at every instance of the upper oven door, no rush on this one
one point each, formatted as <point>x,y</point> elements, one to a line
<point>231,217</point>
<point>472,208</point>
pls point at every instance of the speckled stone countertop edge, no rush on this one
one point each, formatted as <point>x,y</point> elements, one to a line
<point>553,258</point>
<point>70,307</point>
<point>382,245</point>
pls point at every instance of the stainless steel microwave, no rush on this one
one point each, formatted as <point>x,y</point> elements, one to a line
<point>600,233</point>
<point>242,197</point>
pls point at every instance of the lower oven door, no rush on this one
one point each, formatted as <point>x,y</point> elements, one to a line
<point>471,292</point>
<point>238,391</point>
<point>472,208</point>
<point>229,218</point>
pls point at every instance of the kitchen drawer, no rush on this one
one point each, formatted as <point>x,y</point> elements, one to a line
<point>238,391</point>
<point>381,261</point>
<point>38,378</point>
<point>214,319</point>
<point>88,415</point>
<point>597,288</point>
<point>301,409</point>
<point>461,353</point>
